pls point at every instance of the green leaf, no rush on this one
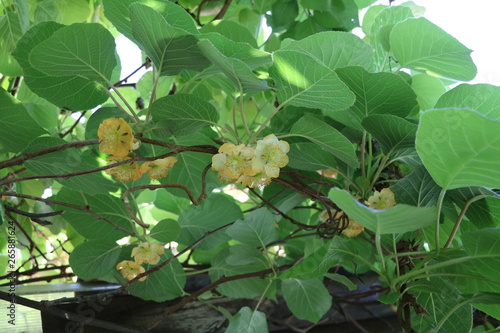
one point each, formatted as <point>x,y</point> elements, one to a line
<point>70,92</point>
<point>428,89</point>
<point>460,148</point>
<point>302,80</point>
<point>342,279</point>
<point>241,259</point>
<point>310,157</point>
<point>484,245</point>
<point>484,209</point>
<point>334,49</point>
<point>421,45</point>
<point>417,189</point>
<point>327,137</point>
<point>231,30</point>
<point>213,212</point>
<point>165,284</point>
<point>248,321</point>
<point>398,219</point>
<point>442,309</point>
<point>90,226</point>
<point>188,170</point>
<point>183,114</point>
<point>336,15</point>
<point>94,258</point>
<point>81,49</point>
<point>166,231</point>
<point>171,49</point>
<point>10,32</point>
<point>392,132</point>
<point>389,298</point>
<point>17,128</point>
<point>119,14</point>
<point>376,93</point>
<point>380,30</point>
<point>251,56</point>
<point>169,202</point>
<point>314,265</point>
<point>307,299</point>
<point>483,98</point>
<point>72,11</point>
<point>235,69</point>
<point>256,229</point>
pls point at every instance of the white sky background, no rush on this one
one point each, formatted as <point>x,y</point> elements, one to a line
<point>475,23</point>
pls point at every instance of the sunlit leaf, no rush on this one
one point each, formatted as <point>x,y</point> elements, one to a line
<point>460,148</point>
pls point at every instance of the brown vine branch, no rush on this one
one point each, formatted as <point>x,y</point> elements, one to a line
<point>35,217</point>
<point>84,209</point>
<point>20,159</point>
<point>73,126</point>
<point>261,274</point>
<point>43,307</point>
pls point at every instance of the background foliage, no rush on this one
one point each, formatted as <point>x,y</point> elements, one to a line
<point>389,110</point>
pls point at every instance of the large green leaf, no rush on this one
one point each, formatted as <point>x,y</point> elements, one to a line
<point>484,245</point>
<point>256,229</point>
<point>398,219</point>
<point>302,80</point>
<point>483,98</point>
<point>379,31</point>
<point>327,137</point>
<point>215,211</point>
<point>235,69</point>
<point>243,51</point>
<point>421,45</point>
<point>484,205</point>
<point>460,148</point>
<point>231,30</point>
<point>392,132</point>
<point>81,49</point>
<point>310,157</point>
<point>165,231</point>
<point>70,92</point>
<point>182,114</point>
<point>428,89</point>
<point>10,32</point>
<point>117,11</point>
<point>17,128</point>
<point>376,93</point>
<point>189,168</point>
<point>171,49</point>
<point>90,226</point>
<point>417,189</point>
<point>94,258</point>
<point>248,321</point>
<point>441,307</point>
<point>165,284</point>
<point>334,49</point>
<point>339,15</point>
<point>241,259</point>
<point>307,299</point>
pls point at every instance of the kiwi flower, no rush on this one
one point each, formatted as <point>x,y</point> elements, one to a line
<point>233,161</point>
<point>148,253</point>
<point>381,200</point>
<point>130,269</point>
<point>125,172</point>
<point>270,156</point>
<point>116,137</point>
<point>353,228</point>
<point>158,168</point>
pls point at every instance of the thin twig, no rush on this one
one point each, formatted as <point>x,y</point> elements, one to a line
<point>73,126</point>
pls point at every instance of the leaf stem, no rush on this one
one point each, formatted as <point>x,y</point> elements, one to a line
<point>363,148</point>
<point>438,218</point>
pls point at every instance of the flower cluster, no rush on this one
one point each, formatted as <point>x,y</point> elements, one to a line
<point>148,253</point>
<point>117,140</point>
<point>253,167</point>
<point>379,200</point>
